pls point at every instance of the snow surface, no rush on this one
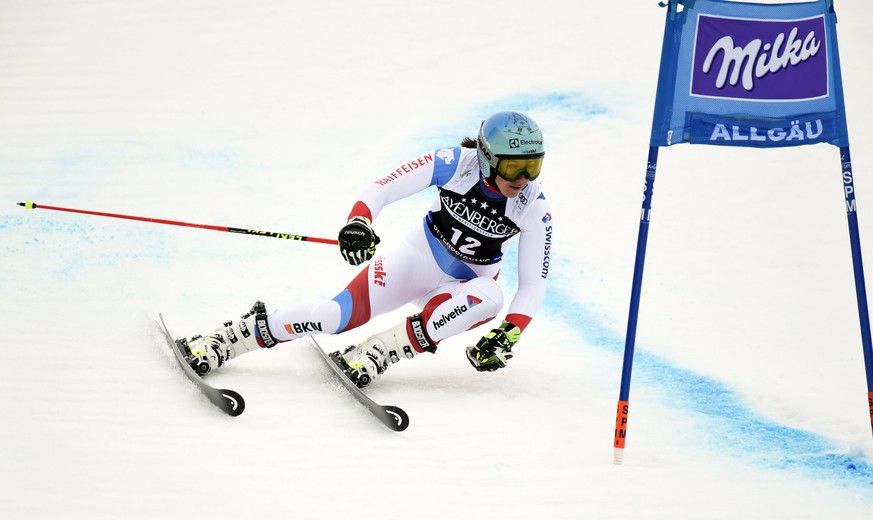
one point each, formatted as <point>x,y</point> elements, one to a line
<point>749,394</point>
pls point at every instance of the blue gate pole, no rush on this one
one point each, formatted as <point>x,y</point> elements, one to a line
<point>642,239</point>
<point>860,286</point>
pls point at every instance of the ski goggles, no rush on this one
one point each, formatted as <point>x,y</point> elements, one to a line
<point>513,169</point>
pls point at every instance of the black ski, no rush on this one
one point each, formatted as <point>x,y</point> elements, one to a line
<point>229,401</point>
<point>391,416</point>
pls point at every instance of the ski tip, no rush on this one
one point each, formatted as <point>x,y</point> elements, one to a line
<point>234,404</point>
<point>395,418</point>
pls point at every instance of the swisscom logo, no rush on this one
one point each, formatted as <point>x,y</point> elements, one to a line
<point>760,60</point>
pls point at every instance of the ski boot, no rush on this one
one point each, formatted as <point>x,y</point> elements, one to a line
<point>206,353</point>
<point>367,361</point>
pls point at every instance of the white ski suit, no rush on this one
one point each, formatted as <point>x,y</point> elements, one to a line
<point>448,264</point>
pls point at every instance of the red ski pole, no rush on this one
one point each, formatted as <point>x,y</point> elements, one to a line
<point>287,236</point>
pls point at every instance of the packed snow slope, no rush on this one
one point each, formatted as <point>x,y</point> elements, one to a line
<point>749,395</point>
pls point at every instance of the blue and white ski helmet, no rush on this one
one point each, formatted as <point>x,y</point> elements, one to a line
<point>510,144</point>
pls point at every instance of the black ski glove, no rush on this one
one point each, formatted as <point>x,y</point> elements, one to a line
<point>357,241</point>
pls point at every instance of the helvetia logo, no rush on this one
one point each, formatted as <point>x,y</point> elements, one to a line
<point>446,318</point>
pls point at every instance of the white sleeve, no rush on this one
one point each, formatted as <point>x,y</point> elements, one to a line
<point>408,179</point>
<point>534,250</point>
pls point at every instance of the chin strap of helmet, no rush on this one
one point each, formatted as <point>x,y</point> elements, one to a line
<point>491,184</point>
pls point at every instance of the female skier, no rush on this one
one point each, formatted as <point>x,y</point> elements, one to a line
<point>447,266</point>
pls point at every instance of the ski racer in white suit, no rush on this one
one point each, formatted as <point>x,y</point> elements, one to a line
<point>447,265</point>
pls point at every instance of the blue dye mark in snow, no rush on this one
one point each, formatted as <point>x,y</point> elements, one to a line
<point>571,105</point>
<point>76,246</point>
<point>730,427</point>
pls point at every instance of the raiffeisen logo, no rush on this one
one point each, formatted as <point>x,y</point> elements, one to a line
<point>760,60</point>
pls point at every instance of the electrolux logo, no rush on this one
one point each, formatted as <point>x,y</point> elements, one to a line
<point>760,60</point>
<point>513,143</point>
